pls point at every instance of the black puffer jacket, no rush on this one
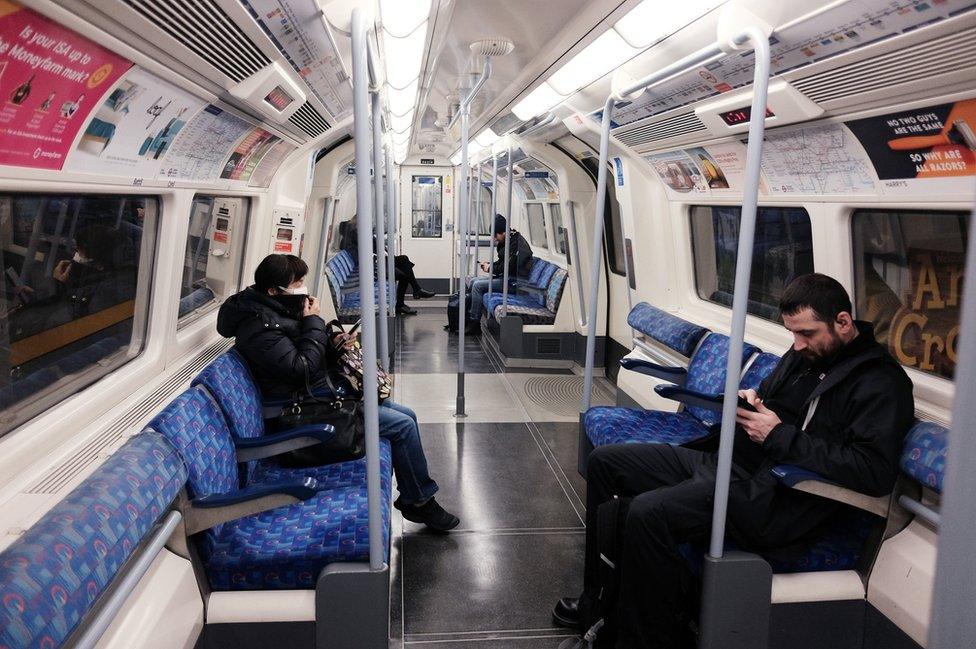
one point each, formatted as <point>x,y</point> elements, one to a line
<point>519,256</point>
<point>280,349</point>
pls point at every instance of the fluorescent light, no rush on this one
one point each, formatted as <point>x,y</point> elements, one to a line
<point>652,21</point>
<point>541,100</point>
<point>401,123</point>
<point>486,138</point>
<point>402,101</point>
<point>400,17</point>
<point>606,53</point>
<point>404,56</point>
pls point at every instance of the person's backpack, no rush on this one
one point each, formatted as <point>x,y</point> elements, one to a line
<point>453,313</point>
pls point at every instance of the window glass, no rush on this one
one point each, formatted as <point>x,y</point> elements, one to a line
<point>214,253</point>
<point>783,250</point>
<point>76,276</point>
<point>537,224</point>
<point>484,220</point>
<point>426,206</point>
<point>557,227</point>
<point>908,271</point>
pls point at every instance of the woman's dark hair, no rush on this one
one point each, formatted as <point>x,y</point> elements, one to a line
<point>279,270</point>
<point>101,244</point>
<point>822,294</point>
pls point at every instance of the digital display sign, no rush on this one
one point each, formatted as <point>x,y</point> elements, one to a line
<point>741,116</point>
<point>278,99</point>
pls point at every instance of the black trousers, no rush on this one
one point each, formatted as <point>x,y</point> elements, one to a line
<point>403,269</point>
<point>672,490</point>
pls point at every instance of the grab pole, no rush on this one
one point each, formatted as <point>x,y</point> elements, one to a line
<point>477,220</point>
<point>391,224</point>
<point>364,227</point>
<point>463,265</point>
<point>380,241</point>
<point>491,220</point>
<point>508,228</point>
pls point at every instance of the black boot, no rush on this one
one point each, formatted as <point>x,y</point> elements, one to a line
<point>566,613</point>
<point>403,309</point>
<point>430,514</point>
<point>422,294</point>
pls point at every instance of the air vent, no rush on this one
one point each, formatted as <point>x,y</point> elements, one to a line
<point>63,474</point>
<point>506,124</point>
<point>920,62</point>
<point>682,124</point>
<point>204,28</point>
<point>309,120</point>
<point>548,346</point>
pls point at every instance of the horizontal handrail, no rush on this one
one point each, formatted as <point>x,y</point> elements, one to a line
<point>923,511</point>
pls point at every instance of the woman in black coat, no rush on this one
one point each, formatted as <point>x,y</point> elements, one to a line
<point>277,328</point>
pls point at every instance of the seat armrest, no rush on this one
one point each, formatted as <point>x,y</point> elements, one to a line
<point>256,448</point>
<point>676,375</point>
<point>690,397</point>
<point>215,509</point>
<point>810,482</point>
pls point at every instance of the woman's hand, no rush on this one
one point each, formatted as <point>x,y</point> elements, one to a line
<point>344,341</point>
<point>484,266</point>
<point>62,270</point>
<point>311,307</point>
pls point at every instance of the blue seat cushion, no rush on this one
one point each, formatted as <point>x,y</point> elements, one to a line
<point>493,301</point>
<point>706,373</point>
<point>671,331</point>
<point>229,380</point>
<point>329,476</point>
<point>531,315</point>
<point>51,576</point>
<point>286,548</point>
<point>924,455</point>
<point>614,425</point>
<point>760,368</point>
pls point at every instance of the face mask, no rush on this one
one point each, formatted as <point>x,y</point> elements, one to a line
<point>80,258</point>
<point>301,290</point>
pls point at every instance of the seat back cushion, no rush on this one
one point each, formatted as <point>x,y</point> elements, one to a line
<point>761,367</point>
<point>706,372</point>
<point>228,379</point>
<point>545,276</point>
<point>554,292</point>
<point>924,456</point>
<point>51,576</point>
<point>193,424</point>
<point>537,265</point>
<point>671,331</point>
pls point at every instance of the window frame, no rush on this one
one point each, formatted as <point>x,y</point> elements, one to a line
<point>440,234</point>
<point>557,240</point>
<point>543,208</point>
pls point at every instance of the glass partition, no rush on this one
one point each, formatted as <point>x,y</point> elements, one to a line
<point>426,206</point>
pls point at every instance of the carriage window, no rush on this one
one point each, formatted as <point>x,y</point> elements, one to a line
<point>426,192</point>
<point>908,269</point>
<point>537,224</point>
<point>76,277</point>
<point>557,227</point>
<point>485,217</point>
<point>783,250</point>
<point>214,252</point>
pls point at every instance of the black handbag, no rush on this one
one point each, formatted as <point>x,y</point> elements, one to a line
<point>345,415</point>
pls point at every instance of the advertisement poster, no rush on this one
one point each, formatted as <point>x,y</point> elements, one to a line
<point>269,164</point>
<point>248,153</point>
<point>50,80</point>
<point>680,173</point>
<point>134,127</point>
<point>729,160</point>
<point>200,150</point>
<point>934,146</point>
<point>817,160</point>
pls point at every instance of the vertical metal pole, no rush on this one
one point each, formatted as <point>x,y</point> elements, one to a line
<point>953,624</point>
<point>477,220</point>
<point>596,253</point>
<point>577,262</point>
<point>462,284</point>
<point>380,220</point>
<point>391,208</point>
<point>364,225</point>
<point>740,295</point>
<point>508,229</point>
<point>491,218</point>
<point>323,247</point>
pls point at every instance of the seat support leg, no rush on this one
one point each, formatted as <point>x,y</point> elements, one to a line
<point>735,605</point>
<point>352,607</point>
<point>584,449</point>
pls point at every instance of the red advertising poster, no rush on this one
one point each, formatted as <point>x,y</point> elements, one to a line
<point>50,80</point>
<point>248,154</point>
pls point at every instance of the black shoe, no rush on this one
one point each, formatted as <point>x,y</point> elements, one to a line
<point>566,613</point>
<point>430,514</point>
<point>422,294</point>
<point>403,309</point>
<point>472,327</point>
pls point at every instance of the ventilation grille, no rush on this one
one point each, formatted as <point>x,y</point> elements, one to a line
<point>548,346</point>
<point>204,28</point>
<point>953,53</point>
<point>55,480</point>
<point>309,120</point>
<point>682,124</point>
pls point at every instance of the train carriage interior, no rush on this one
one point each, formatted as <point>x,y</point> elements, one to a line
<point>275,272</point>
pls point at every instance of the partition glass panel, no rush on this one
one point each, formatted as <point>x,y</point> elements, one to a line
<point>426,206</point>
<point>557,227</point>
<point>537,224</point>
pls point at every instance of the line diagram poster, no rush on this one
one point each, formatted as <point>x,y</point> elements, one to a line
<point>200,150</point>
<point>50,80</point>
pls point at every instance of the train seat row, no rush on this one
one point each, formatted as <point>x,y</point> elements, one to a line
<point>536,299</point>
<point>253,523</point>
<point>342,271</point>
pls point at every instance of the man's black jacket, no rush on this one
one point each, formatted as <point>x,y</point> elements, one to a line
<point>278,346</point>
<point>856,421</point>
<point>519,257</point>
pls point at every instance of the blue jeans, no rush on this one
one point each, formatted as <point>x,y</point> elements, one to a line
<point>398,424</point>
<point>478,289</point>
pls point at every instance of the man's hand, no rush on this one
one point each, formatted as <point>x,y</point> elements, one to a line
<point>484,266</point>
<point>756,424</point>
<point>311,307</point>
<point>62,270</point>
<point>344,341</point>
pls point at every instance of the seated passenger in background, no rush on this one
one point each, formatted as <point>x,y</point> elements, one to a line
<point>280,340</point>
<point>519,264</point>
<point>837,404</point>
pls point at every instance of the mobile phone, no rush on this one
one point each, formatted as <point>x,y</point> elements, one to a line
<point>745,405</point>
<point>354,327</point>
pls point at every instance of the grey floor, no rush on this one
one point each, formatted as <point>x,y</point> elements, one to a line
<point>508,470</point>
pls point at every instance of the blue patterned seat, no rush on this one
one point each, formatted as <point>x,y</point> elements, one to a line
<point>283,548</point>
<point>671,331</point>
<point>706,374</point>
<point>52,575</point>
<point>343,274</point>
<point>529,308</point>
<point>924,456</point>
